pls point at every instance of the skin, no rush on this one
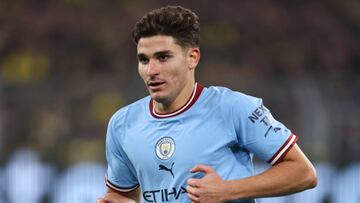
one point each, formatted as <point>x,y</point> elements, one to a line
<point>168,71</point>
<point>293,174</point>
<point>113,196</point>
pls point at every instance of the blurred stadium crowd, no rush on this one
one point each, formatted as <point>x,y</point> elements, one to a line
<point>67,65</point>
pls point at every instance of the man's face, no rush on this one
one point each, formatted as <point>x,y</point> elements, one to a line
<point>165,67</point>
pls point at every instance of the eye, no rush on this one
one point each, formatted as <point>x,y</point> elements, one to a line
<point>143,60</point>
<point>163,58</point>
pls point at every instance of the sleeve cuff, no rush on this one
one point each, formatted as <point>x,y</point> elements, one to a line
<point>284,149</point>
<point>120,189</point>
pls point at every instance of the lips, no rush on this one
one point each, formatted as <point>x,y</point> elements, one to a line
<point>155,85</point>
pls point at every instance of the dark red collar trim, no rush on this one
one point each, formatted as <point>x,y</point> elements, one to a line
<point>194,96</point>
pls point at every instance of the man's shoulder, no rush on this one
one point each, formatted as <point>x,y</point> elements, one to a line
<point>132,108</point>
<point>228,94</point>
<point>231,100</point>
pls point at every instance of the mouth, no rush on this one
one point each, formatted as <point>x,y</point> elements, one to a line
<point>155,85</point>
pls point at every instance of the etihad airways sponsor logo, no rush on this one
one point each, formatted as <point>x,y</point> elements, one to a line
<point>163,195</point>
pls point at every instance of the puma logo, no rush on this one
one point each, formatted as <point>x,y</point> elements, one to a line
<point>162,167</point>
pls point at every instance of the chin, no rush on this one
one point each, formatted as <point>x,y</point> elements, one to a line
<point>159,98</point>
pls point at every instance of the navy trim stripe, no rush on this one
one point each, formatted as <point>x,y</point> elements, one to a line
<point>120,189</point>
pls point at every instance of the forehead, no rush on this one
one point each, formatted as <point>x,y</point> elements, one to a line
<point>157,43</point>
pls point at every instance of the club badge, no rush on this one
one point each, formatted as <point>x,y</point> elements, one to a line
<point>165,148</point>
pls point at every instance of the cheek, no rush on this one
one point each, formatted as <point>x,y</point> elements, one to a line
<point>178,78</point>
<point>141,71</point>
<point>179,70</point>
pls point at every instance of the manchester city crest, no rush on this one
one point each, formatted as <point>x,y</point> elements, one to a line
<point>165,148</point>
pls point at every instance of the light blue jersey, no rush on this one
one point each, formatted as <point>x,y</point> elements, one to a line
<point>216,127</point>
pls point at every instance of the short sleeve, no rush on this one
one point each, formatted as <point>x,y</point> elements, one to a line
<point>120,172</point>
<point>258,131</point>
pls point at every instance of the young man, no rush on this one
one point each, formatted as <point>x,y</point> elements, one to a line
<point>186,142</point>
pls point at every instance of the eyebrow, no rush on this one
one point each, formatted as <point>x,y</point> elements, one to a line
<point>159,53</point>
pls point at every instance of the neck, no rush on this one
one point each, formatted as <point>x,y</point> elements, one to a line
<point>178,102</point>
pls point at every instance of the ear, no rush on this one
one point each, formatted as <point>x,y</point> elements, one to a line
<point>194,57</point>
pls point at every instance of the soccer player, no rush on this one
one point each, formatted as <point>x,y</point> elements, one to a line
<point>190,143</point>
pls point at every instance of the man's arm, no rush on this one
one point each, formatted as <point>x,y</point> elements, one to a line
<point>293,174</point>
<point>113,196</point>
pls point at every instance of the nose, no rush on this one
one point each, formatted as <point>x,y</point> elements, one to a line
<point>152,68</point>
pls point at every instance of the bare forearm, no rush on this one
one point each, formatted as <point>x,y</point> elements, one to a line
<point>274,182</point>
<point>119,198</point>
<point>116,197</point>
<point>292,175</point>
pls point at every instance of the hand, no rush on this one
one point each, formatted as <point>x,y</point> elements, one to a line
<point>210,188</point>
<point>103,200</point>
<point>113,196</point>
<point>114,199</point>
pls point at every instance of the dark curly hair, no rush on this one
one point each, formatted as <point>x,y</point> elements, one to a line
<point>175,21</point>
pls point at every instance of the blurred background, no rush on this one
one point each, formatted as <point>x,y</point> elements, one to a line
<point>67,65</point>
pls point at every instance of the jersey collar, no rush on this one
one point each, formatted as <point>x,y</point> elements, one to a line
<point>194,96</point>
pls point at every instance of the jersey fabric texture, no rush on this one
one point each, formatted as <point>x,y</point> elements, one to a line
<point>216,127</point>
